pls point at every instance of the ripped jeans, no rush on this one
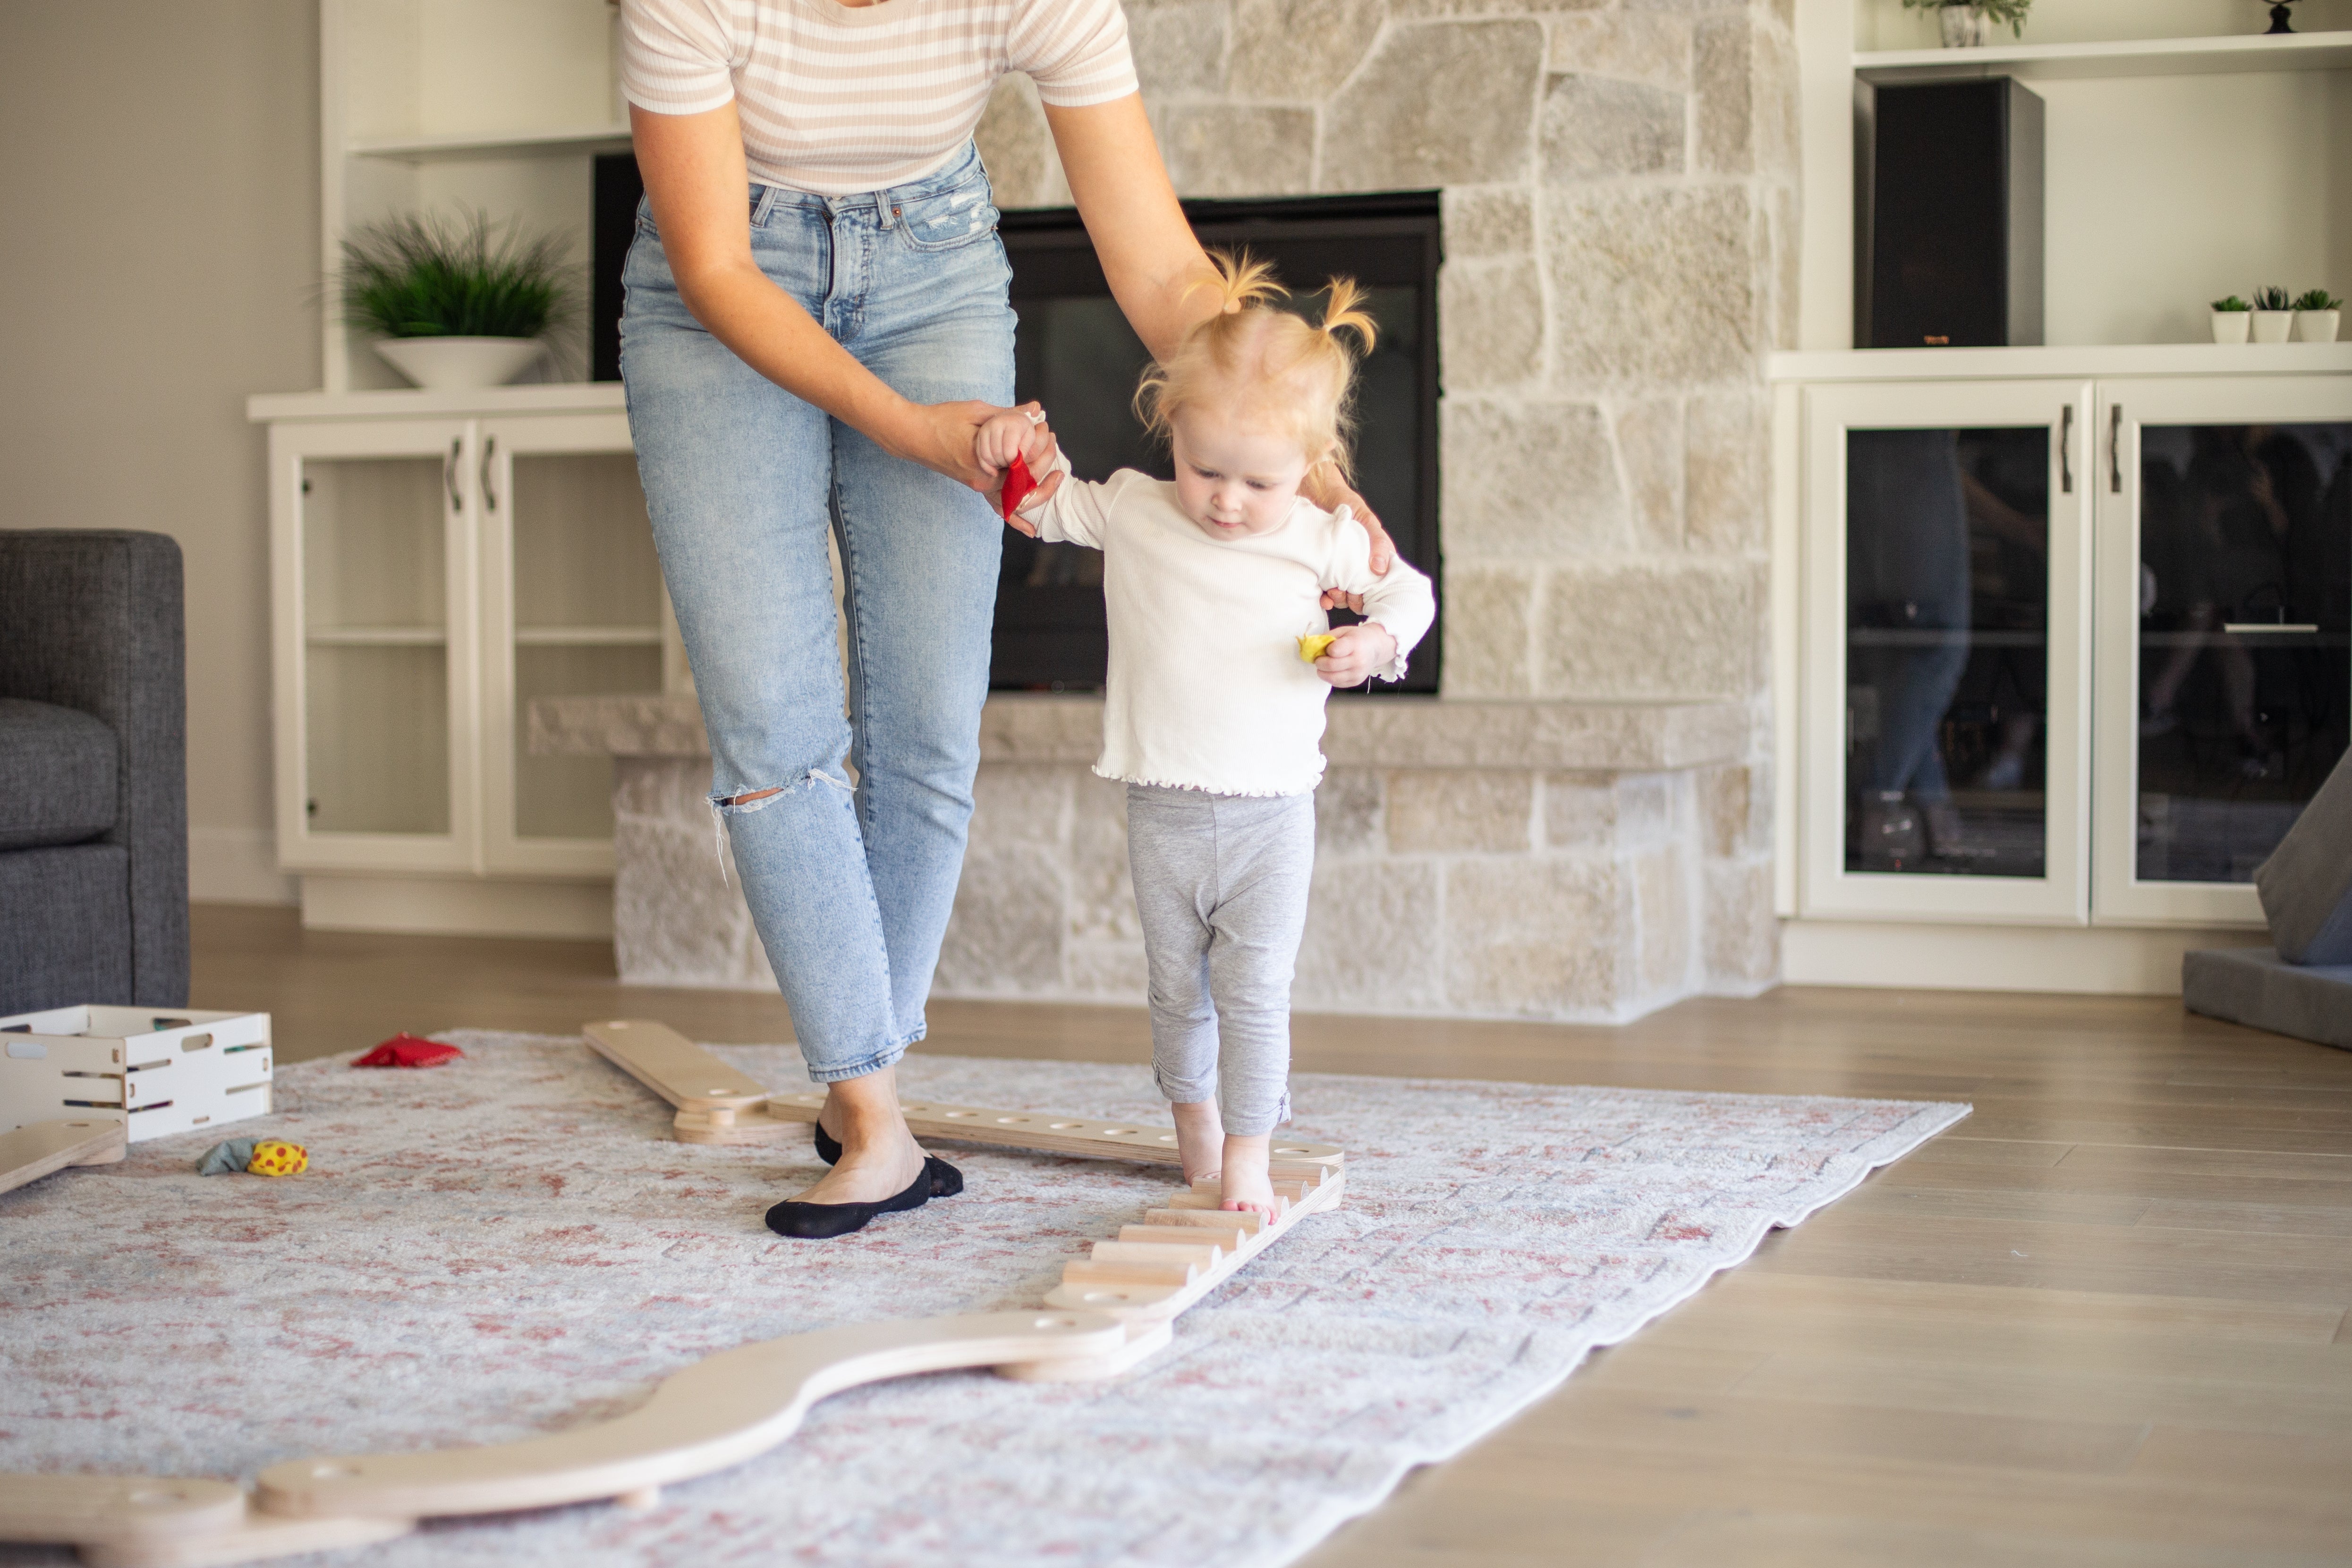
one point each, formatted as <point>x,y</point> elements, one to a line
<point>850,887</point>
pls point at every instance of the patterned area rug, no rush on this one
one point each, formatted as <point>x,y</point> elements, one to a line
<point>513,1243</point>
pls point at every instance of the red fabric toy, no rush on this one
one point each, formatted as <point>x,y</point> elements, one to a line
<point>405,1049</point>
<point>1017,485</point>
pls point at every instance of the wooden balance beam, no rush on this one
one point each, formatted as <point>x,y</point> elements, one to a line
<point>1113,1308</point>
<point>716,1104</point>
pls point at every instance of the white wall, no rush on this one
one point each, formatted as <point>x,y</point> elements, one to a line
<point>162,194</point>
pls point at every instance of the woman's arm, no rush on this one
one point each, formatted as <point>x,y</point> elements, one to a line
<point>694,171</point>
<point>1157,271</point>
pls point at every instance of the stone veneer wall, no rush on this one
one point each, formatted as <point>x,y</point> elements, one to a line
<point>1621,237</point>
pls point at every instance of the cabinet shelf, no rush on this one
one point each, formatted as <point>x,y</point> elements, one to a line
<point>510,145</point>
<point>376,637</point>
<point>588,637</point>
<point>2131,57</point>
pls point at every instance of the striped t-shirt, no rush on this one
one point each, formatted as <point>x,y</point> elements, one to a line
<point>838,100</point>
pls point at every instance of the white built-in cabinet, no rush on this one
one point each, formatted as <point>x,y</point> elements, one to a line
<point>432,575</point>
<point>440,559</point>
<point>2072,649</point>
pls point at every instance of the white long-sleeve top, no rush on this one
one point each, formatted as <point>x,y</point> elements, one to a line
<point>1207,689</point>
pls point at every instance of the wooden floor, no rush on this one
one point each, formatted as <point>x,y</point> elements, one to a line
<point>2102,1323</point>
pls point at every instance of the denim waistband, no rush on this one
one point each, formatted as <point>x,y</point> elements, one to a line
<point>954,174</point>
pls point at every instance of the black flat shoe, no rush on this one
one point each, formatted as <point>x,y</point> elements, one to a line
<point>816,1222</point>
<point>946,1180</point>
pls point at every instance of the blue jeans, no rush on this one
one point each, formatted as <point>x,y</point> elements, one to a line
<point>850,884</point>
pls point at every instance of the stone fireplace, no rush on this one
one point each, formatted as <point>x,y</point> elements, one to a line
<point>1577,827</point>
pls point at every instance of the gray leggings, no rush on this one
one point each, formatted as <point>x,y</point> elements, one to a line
<point>1221,883</point>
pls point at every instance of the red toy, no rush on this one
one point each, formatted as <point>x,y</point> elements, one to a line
<point>1017,486</point>
<point>405,1049</point>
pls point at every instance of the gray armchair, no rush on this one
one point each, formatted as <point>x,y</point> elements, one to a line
<point>93,770</point>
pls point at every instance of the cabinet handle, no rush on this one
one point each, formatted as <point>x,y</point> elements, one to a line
<point>449,475</point>
<point>2066,451</point>
<point>490,495</point>
<point>2116,447</point>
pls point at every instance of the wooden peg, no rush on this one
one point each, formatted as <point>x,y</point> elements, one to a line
<point>1229,1239</point>
<point>1248,1221</point>
<point>1173,1271</point>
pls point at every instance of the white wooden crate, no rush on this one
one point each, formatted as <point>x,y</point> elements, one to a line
<point>159,1070</point>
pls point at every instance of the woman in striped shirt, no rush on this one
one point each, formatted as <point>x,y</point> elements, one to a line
<point>816,324</point>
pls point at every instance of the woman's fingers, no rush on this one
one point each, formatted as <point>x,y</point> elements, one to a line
<point>1384,548</point>
<point>1340,599</point>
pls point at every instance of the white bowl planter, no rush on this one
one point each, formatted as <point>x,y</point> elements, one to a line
<point>460,364</point>
<point>2230,326</point>
<point>2317,326</point>
<point>2272,326</point>
<point>1964,26</point>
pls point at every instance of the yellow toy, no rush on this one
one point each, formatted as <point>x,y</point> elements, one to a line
<point>1311,646</point>
<point>272,1157</point>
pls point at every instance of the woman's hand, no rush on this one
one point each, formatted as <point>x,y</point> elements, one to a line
<point>1357,653</point>
<point>1331,494</point>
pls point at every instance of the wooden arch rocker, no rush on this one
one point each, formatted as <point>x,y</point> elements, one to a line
<point>1112,1309</point>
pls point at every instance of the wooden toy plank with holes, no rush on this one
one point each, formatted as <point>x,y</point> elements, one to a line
<point>28,1153</point>
<point>1113,1309</point>
<point>716,1104</point>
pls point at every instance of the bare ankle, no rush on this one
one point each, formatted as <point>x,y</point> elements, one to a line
<point>1199,1138</point>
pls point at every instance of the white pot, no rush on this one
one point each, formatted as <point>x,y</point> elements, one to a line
<point>1964,26</point>
<point>2272,326</point>
<point>2230,326</point>
<point>460,364</point>
<point>2317,326</point>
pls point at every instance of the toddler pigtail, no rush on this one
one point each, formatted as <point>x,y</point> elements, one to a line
<point>1343,311</point>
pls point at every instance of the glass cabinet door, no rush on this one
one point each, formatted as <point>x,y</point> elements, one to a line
<point>572,601</point>
<point>2226,595</point>
<point>1944,649</point>
<point>373,711</point>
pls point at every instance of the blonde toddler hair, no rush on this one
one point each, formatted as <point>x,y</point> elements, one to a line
<point>1265,363</point>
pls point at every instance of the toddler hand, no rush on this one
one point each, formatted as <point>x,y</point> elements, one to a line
<point>1356,652</point>
<point>1003,436</point>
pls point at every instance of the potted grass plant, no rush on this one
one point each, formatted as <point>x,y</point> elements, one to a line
<point>2317,314</point>
<point>456,303</point>
<point>2273,314</point>
<point>1968,24</point>
<point>2231,317</point>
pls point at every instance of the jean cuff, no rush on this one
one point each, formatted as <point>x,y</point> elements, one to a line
<point>887,1057</point>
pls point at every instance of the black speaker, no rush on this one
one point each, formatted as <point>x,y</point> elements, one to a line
<point>1948,222</point>
<point>618,188</point>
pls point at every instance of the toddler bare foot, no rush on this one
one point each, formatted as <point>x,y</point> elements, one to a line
<point>1200,1138</point>
<point>1245,1184</point>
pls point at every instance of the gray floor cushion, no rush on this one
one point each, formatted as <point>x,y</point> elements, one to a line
<point>2307,884</point>
<point>2255,986</point>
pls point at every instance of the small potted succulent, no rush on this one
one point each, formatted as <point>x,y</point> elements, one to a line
<point>1968,24</point>
<point>455,304</point>
<point>2231,317</point>
<point>2273,314</point>
<point>2317,313</point>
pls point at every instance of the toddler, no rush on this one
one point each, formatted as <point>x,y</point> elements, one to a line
<point>1213,715</point>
